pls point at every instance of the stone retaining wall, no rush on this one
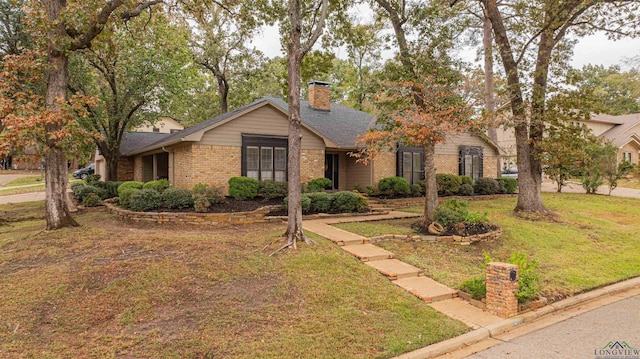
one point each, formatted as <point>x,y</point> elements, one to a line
<point>209,219</point>
<point>448,239</point>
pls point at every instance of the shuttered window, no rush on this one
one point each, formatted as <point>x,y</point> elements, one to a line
<point>264,157</point>
<point>410,164</point>
<point>470,161</point>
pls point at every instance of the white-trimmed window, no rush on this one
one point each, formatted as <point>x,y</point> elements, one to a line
<point>626,157</point>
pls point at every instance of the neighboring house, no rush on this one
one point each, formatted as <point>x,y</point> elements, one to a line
<point>252,141</point>
<point>622,131</point>
<point>142,135</point>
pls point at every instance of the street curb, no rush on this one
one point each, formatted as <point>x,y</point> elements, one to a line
<point>506,325</point>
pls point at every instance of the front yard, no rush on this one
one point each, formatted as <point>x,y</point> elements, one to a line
<point>109,289</point>
<point>593,242</point>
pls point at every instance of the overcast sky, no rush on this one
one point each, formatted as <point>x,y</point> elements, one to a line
<point>596,49</point>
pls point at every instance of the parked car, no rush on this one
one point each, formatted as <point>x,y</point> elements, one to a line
<point>84,172</point>
<point>510,173</point>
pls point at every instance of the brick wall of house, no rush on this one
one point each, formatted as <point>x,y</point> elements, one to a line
<point>214,165</point>
<point>384,166</point>
<point>450,163</point>
<point>180,166</point>
<point>490,166</point>
<point>629,147</point>
<point>125,169</point>
<point>311,164</point>
<point>137,168</point>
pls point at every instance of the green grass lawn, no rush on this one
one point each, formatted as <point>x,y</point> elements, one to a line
<point>25,181</point>
<point>593,242</point>
<point>113,289</point>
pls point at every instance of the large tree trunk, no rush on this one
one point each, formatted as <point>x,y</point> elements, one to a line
<point>529,175</point>
<point>56,174</point>
<point>294,223</point>
<point>223,92</point>
<point>430,184</point>
<point>489,98</point>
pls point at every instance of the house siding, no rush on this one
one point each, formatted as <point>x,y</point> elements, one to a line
<point>357,173</point>
<point>384,166</point>
<point>262,121</point>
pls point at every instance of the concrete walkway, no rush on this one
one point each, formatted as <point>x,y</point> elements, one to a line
<point>404,275</point>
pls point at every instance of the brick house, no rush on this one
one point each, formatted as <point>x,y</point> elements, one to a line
<point>252,141</point>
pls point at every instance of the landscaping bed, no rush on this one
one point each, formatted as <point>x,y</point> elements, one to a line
<point>592,241</point>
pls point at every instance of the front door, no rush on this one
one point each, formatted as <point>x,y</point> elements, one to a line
<point>331,169</point>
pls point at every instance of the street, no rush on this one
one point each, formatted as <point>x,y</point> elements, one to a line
<point>612,331</point>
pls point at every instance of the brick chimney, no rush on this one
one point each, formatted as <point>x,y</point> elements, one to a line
<point>320,95</point>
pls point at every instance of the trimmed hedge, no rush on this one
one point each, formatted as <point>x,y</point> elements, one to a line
<point>466,180</point>
<point>129,184</point>
<point>125,195</point>
<point>465,190</point>
<point>305,202</point>
<point>319,184</point>
<point>145,200</point>
<point>348,202</point>
<point>213,194</point>
<point>84,191</point>
<point>92,200</point>
<point>394,186</point>
<point>243,187</point>
<point>448,184</point>
<point>510,185</point>
<point>175,198</point>
<point>487,186</point>
<point>159,185</point>
<point>321,201</point>
<point>271,189</point>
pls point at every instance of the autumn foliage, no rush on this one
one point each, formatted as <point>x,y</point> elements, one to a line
<point>27,123</point>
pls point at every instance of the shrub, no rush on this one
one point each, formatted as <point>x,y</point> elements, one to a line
<point>201,203</point>
<point>177,198</point>
<point>243,187</point>
<point>476,287</point>
<point>451,212</point>
<point>466,180</point>
<point>112,188</point>
<point>213,194</point>
<point>528,275</point>
<point>417,190</point>
<point>86,190</point>
<point>271,189</point>
<point>465,190</point>
<point>92,178</point>
<point>592,182</point>
<point>486,186</point>
<point>129,184</point>
<point>92,200</point>
<point>145,200</point>
<point>125,196</point>
<point>75,188</point>
<point>348,202</point>
<point>305,203</point>
<point>448,184</point>
<point>319,184</point>
<point>394,186</point>
<point>159,185</point>
<point>510,185</point>
<point>370,190</point>
<point>358,188</point>
<point>475,218</point>
<point>321,201</point>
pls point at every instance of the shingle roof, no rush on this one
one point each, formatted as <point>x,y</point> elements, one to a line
<point>620,135</point>
<point>135,140</point>
<point>340,125</point>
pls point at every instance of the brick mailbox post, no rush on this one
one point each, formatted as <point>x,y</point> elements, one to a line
<point>502,283</point>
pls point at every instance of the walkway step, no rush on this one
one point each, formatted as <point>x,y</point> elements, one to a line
<point>368,252</point>
<point>395,269</point>
<point>335,235</point>
<point>426,289</point>
<point>460,309</point>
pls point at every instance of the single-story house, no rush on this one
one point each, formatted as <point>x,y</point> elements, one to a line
<point>252,141</point>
